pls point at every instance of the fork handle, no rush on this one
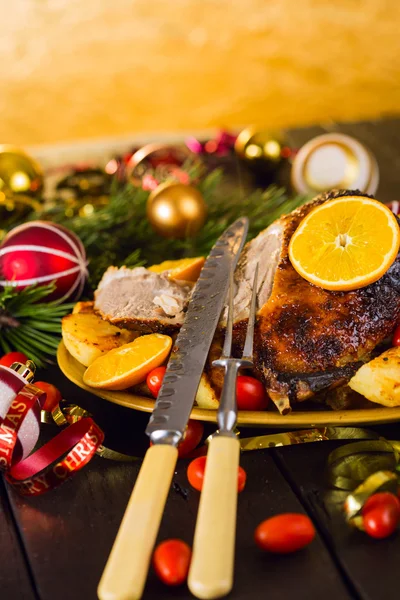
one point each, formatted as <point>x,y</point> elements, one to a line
<point>211,571</point>
<point>125,573</point>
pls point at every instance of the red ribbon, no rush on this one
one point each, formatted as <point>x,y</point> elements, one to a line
<point>13,420</point>
<point>43,470</point>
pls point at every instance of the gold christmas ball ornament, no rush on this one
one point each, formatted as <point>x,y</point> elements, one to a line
<point>13,209</point>
<point>19,172</point>
<point>176,210</point>
<point>261,150</point>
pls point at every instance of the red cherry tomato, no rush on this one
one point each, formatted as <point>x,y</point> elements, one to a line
<point>53,395</point>
<point>242,476</point>
<point>250,394</point>
<point>171,561</point>
<point>154,380</point>
<point>11,357</point>
<point>396,336</point>
<point>191,439</point>
<point>284,533</point>
<point>381,515</point>
<point>380,522</point>
<point>196,469</point>
<point>382,499</point>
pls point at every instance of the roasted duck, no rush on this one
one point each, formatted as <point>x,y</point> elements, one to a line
<point>307,339</point>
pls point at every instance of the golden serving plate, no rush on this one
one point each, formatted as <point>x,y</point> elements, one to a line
<point>74,370</point>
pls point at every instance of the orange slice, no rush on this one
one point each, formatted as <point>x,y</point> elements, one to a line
<point>185,269</point>
<point>129,364</point>
<point>346,243</point>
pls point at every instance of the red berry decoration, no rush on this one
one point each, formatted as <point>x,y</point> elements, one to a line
<point>171,561</point>
<point>285,533</point>
<point>53,395</point>
<point>11,357</point>
<point>40,252</point>
<point>250,394</point>
<point>196,470</point>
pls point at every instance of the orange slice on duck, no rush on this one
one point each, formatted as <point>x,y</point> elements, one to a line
<point>346,243</point>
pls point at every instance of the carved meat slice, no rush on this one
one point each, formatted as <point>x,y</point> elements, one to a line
<point>142,300</point>
<point>308,339</point>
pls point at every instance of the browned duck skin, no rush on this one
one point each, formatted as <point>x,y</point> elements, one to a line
<point>308,339</point>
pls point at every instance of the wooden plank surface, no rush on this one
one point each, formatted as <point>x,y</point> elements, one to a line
<point>371,565</point>
<point>68,534</point>
<point>15,579</point>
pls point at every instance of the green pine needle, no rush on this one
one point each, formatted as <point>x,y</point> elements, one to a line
<point>30,326</point>
<point>120,233</point>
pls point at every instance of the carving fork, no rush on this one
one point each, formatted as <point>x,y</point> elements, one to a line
<point>211,571</point>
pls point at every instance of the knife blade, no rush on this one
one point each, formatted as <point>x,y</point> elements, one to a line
<point>182,377</point>
<point>125,573</point>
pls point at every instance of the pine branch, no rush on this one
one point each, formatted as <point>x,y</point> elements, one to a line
<point>30,326</point>
<point>120,233</point>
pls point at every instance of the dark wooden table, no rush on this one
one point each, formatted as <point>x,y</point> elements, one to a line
<point>54,547</point>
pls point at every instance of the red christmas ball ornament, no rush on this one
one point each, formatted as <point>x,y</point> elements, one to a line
<point>40,252</point>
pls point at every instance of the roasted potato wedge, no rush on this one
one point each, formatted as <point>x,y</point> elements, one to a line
<point>87,336</point>
<point>379,380</point>
<point>206,395</point>
<point>83,307</point>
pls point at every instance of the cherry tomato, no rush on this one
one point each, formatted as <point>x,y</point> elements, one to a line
<point>171,561</point>
<point>53,395</point>
<point>250,394</point>
<point>154,380</point>
<point>284,533</point>
<point>196,469</point>
<point>396,336</point>
<point>11,357</point>
<point>191,439</point>
<point>381,515</point>
<point>381,499</point>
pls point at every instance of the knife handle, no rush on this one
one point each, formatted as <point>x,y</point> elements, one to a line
<point>124,576</point>
<point>211,571</point>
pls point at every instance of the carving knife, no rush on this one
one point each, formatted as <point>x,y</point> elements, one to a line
<point>125,573</point>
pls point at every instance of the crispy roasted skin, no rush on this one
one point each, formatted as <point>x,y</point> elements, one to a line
<point>307,338</point>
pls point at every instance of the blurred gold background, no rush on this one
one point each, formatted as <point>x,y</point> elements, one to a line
<point>75,69</point>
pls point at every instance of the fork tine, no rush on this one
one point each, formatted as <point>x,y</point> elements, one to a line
<point>248,344</point>
<point>227,349</point>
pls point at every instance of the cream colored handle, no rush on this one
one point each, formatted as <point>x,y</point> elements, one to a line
<point>211,570</point>
<point>126,570</point>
